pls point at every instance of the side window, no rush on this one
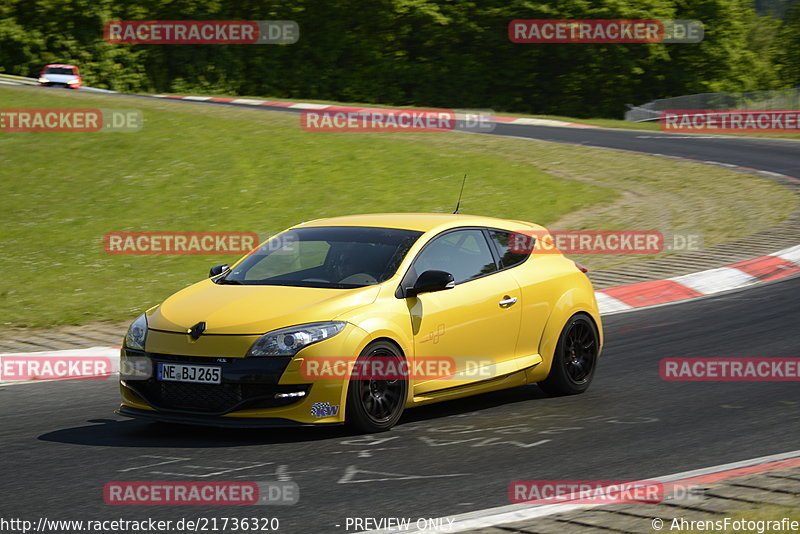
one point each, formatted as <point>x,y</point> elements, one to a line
<point>508,249</point>
<point>463,253</point>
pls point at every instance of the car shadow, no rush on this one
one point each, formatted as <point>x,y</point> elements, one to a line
<point>475,403</point>
<point>137,433</point>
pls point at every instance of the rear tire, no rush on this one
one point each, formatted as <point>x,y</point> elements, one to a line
<point>376,405</point>
<point>575,358</point>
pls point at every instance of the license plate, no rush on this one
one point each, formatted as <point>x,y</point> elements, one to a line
<point>181,372</point>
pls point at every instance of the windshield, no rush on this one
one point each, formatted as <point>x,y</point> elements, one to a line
<point>329,256</point>
<point>59,70</point>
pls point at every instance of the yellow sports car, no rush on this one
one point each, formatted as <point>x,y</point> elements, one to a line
<point>353,319</point>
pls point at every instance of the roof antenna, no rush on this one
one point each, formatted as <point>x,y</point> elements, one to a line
<point>458,204</point>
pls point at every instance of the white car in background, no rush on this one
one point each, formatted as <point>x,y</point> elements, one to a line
<point>59,75</point>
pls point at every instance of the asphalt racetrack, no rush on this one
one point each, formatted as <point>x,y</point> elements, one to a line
<point>781,156</point>
<point>62,443</point>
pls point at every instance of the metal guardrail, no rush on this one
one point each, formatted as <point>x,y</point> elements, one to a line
<point>22,80</point>
<point>787,99</point>
<point>18,79</point>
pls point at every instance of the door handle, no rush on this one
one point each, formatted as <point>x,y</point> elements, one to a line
<point>507,301</point>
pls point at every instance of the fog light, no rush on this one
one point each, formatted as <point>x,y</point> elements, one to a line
<point>292,394</point>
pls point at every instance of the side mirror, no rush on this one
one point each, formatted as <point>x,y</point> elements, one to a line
<point>431,281</point>
<point>217,270</point>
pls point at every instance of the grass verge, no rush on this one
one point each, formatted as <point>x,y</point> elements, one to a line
<point>199,167</point>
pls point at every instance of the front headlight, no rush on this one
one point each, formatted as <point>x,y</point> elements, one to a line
<point>288,341</point>
<point>43,80</point>
<point>137,333</point>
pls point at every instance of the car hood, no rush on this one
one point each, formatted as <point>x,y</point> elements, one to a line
<point>59,78</point>
<point>249,309</point>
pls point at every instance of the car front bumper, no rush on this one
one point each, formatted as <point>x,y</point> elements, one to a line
<point>220,422</point>
<point>60,84</point>
<point>253,392</point>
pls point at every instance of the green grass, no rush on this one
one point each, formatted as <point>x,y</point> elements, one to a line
<point>196,167</point>
<point>204,168</point>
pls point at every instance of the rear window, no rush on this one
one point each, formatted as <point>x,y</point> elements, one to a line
<point>509,255</point>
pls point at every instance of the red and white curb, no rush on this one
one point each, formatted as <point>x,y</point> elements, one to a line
<point>738,275</point>
<point>530,121</point>
<point>526,511</point>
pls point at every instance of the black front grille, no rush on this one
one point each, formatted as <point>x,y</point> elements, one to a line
<point>246,383</point>
<point>211,398</point>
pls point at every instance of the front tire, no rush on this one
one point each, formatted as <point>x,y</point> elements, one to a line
<point>375,405</point>
<point>575,358</point>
